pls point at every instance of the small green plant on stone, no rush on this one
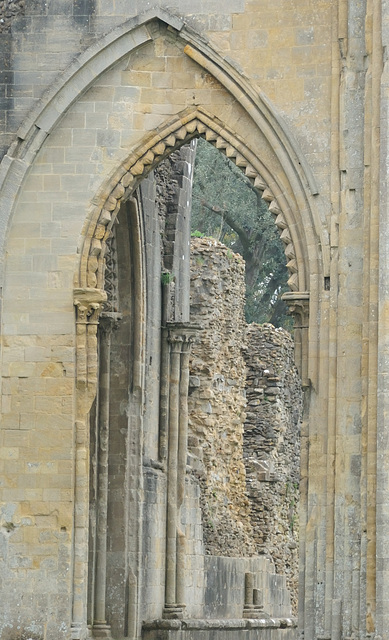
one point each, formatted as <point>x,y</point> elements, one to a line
<point>292,522</point>
<point>167,277</point>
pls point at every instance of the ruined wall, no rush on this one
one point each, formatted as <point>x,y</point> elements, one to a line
<point>222,382</point>
<point>272,446</point>
<point>9,9</point>
<point>217,402</point>
<point>221,378</point>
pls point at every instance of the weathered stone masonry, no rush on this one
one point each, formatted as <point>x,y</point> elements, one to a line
<point>245,410</point>
<point>93,96</point>
<point>217,396</point>
<point>272,446</point>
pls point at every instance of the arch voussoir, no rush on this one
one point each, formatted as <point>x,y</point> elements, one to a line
<point>185,127</point>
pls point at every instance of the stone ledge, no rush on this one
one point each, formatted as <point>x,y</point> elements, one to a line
<point>227,625</point>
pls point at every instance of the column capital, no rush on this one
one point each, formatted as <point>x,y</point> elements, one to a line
<point>109,321</point>
<point>182,332</point>
<point>89,304</point>
<point>298,305</point>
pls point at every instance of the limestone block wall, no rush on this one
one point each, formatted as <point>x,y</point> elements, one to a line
<point>272,446</point>
<point>36,480</point>
<point>221,630</point>
<point>223,582</point>
<point>217,396</point>
<point>224,588</point>
<point>321,67</point>
<point>46,36</point>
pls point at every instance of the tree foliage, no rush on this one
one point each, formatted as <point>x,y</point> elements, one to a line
<point>226,206</point>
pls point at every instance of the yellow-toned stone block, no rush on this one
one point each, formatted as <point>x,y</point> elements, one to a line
<point>9,453</point>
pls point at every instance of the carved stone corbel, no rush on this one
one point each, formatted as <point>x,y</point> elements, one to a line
<point>298,305</point>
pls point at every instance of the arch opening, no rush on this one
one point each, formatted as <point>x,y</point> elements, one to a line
<point>158,310</point>
<point>189,125</point>
<point>288,198</point>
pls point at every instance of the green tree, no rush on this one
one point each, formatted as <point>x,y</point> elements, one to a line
<point>226,206</point>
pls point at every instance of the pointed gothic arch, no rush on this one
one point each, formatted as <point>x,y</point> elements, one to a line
<point>177,132</point>
<point>82,73</point>
<point>291,199</point>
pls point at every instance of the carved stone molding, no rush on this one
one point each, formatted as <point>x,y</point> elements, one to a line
<point>182,332</point>
<point>109,321</point>
<point>188,125</point>
<point>89,304</point>
<point>111,274</point>
<point>298,304</point>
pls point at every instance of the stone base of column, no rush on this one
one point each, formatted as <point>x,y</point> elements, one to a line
<point>77,631</point>
<point>254,612</point>
<point>101,630</point>
<point>173,611</point>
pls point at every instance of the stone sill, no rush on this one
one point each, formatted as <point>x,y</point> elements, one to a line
<point>228,625</point>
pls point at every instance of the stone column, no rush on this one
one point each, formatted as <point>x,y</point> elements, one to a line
<point>179,338</point>
<point>172,608</point>
<point>88,303</point>
<point>248,610</point>
<point>108,321</point>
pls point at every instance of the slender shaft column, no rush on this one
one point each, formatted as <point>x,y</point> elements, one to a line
<point>181,465</point>
<point>183,420</point>
<point>171,606</point>
<point>88,303</point>
<point>164,396</point>
<point>100,627</point>
<point>179,338</point>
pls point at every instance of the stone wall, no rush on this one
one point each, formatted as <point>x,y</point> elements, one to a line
<point>8,10</point>
<point>217,396</point>
<point>318,129</point>
<point>225,581</point>
<point>272,446</point>
<point>254,509</point>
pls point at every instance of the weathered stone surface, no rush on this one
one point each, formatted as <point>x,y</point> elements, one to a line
<point>217,403</point>
<point>298,90</point>
<point>245,403</point>
<point>272,447</point>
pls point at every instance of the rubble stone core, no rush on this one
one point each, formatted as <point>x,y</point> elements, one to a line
<point>245,406</point>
